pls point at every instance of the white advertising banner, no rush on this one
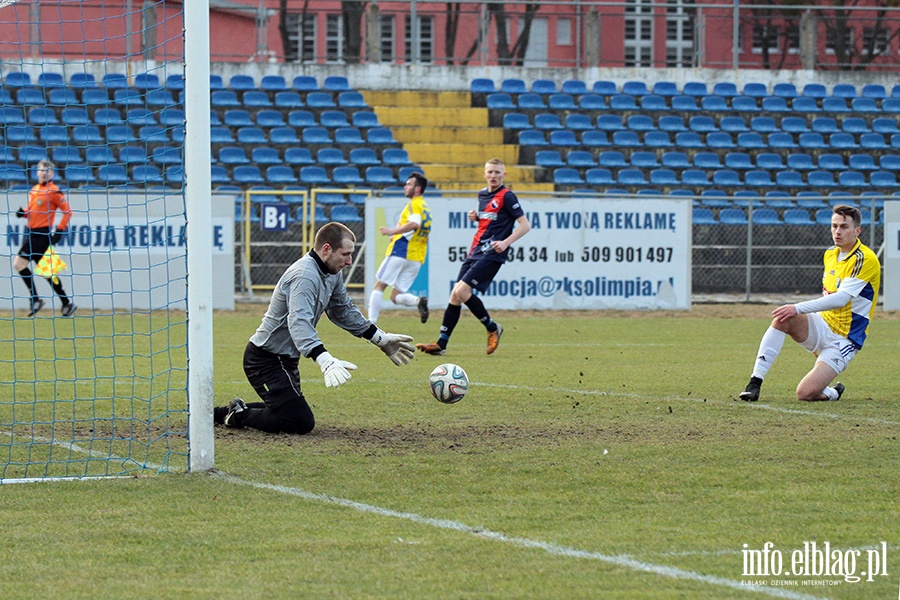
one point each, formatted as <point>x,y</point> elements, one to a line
<point>580,253</point>
<point>890,290</point>
<point>125,251</point>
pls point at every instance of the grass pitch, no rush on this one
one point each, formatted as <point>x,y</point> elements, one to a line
<point>597,455</point>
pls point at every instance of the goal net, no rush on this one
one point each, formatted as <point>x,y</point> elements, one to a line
<point>94,354</point>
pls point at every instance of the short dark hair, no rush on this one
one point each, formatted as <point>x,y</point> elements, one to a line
<point>850,212</point>
<point>421,180</point>
<point>334,235</point>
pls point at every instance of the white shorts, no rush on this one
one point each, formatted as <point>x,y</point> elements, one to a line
<point>834,350</point>
<point>398,272</point>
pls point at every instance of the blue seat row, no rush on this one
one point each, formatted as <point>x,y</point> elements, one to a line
<point>691,88</point>
<point>768,216</point>
<point>724,178</point>
<point>739,161</point>
<point>151,81</point>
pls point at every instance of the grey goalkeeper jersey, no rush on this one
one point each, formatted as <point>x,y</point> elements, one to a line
<point>303,293</point>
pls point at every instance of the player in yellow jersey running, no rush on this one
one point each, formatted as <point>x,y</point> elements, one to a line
<point>405,253</point>
<point>832,327</point>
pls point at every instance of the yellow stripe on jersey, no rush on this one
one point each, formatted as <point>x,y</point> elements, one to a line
<point>852,321</point>
<point>413,245</point>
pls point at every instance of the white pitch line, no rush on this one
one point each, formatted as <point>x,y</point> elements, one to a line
<point>550,548</point>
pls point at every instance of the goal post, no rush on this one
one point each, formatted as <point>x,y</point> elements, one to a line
<point>116,96</point>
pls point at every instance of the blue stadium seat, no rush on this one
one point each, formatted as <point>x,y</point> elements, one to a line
<point>514,120</point>
<point>823,216</point>
<point>567,176</point>
<point>89,134</point>
<point>644,160</point>
<point>134,155</point>
<point>784,90</point>
<point>694,178</point>
<point>146,175</point>
<point>30,96</point>
<point>256,99</point>
<point>812,141</point>
<point>316,135</point>
<point>113,81</point>
<point>548,159</point>
<point>671,123</point>
<point>815,90</point>
<point>766,216</point>
<point>688,139</point>
<point>216,82</point>
<point>622,102</point>
<point>774,104</point>
<point>874,90</point>
<point>852,179</point>
<point>218,135</point>
<point>138,117</point>
<point>657,139</point>
<point>62,97</point>
<point>298,156</point>
<point>781,141</point>
<point>703,216</point>
<point>320,100</point>
<point>789,179</point>
<point>763,125</point>
<point>175,82</point>
<point>280,174</point>
<point>623,139</point>
<point>820,179</point>
<point>598,176</point>
<point>610,123</point>
<point>532,137</point>
<point>112,175</point>
<point>217,175</point>
<point>635,88</point>
<point>153,134</point>
<point>302,119</point>
<point>676,160</point>
<point>273,83</point>
<point>336,83</point>
<point>247,174</point>
<point>758,178</point>
<point>831,162</point>
<point>543,86</point>
<point>856,125</point>
<point>695,88</point>
<point>802,104</point>
<point>883,179</point>
<point>95,97</point>
<point>146,81</point>
<point>333,119</point>
<point>755,90</point>
<point>347,175</point>
<point>128,97</point>
<point>663,177</point>
<point>574,87</point>
<point>345,214</point>
<point>364,157</point>
<point>20,134</point>
<point>561,102</point>
<point>885,126</point>
<point>79,175</point>
<point>889,162</point>
<point>612,159</point>
<point>529,101</point>
<point>380,176</point>
<point>242,82</point>
<point>331,157</point>
<point>862,162</point>
<point>288,100</point>
<point>800,162</point>
<point>63,155</point>
<point>797,216</point>
<point>578,122</point>
<point>724,88</point>
<point>269,118</point>
<point>825,125</point>
<point>578,159</point>
<point>500,101</point>
<point>233,155</point>
<point>664,88</point>
<point>733,124</point>
<point>224,98</point>
<point>157,98</point>
<point>283,136</point>
<point>652,102</point>
<point>167,155</point>
<point>262,155</point>
<point>481,85</point>
<point>380,135</point>
<point>744,104</point>
<point>171,117</point>
<point>707,161</point>
<point>348,136</point>
<point>720,140</point>
<point>597,102</point>
<point>739,161</point>
<point>31,154</point>
<point>844,90</point>
<point>834,104</point>
<point>794,125</point>
<point>351,100</point>
<point>305,83</point>
<point>395,157</point>
<point>630,177</point>
<point>873,141</point>
<point>82,80</point>
<point>594,139</point>
<point>684,103</point>
<point>864,105</point>
<point>563,137</point>
<point>604,88</point>
<point>702,124</point>
<point>50,80</point>
<point>732,216</point>
<point>842,141</point>
<point>42,116</point>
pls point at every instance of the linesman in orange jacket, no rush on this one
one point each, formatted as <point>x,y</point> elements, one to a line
<point>44,200</point>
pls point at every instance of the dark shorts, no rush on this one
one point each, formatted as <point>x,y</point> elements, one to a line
<point>479,273</point>
<point>35,243</point>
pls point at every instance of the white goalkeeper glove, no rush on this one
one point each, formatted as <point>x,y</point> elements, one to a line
<point>397,347</point>
<point>337,372</point>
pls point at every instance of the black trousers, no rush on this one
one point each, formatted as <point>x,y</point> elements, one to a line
<point>276,379</point>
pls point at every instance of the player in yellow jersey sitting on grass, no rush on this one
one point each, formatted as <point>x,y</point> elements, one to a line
<point>834,326</point>
<point>405,253</point>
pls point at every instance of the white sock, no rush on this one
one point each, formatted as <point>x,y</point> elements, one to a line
<point>375,305</point>
<point>830,393</point>
<point>769,348</point>
<point>406,299</point>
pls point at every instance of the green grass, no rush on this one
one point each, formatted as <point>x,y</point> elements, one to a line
<point>595,456</point>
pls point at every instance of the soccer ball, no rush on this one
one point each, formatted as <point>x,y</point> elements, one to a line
<point>449,383</point>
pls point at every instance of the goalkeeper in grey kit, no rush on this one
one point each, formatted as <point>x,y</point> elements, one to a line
<point>311,286</point>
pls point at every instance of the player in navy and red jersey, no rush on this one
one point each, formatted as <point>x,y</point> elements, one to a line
<point>498,214</point>
<point>44,200</point>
